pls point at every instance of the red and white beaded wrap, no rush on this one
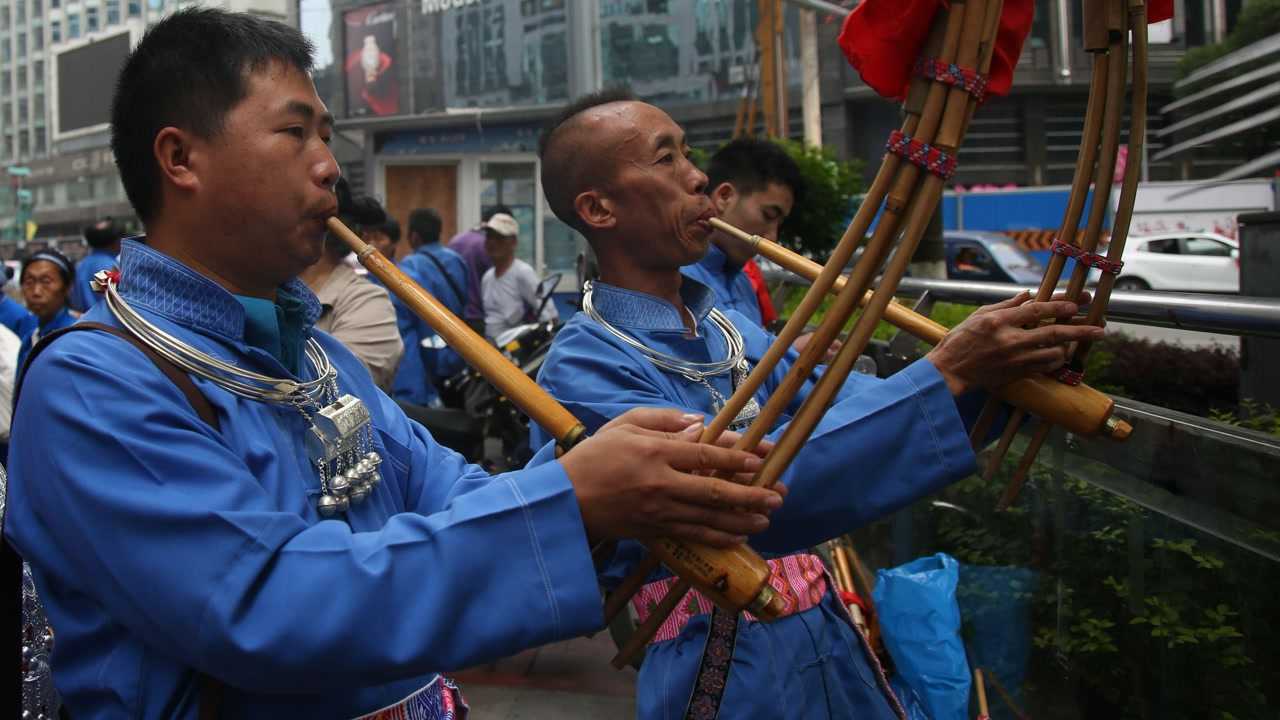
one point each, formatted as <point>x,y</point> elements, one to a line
<point>801,579</point>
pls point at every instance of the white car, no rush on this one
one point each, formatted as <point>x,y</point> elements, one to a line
<point>1190,261</point>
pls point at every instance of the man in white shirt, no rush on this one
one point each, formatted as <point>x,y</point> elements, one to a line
<point>509,289</point>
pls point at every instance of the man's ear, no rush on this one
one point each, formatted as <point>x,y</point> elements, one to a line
<point>595,209</point>
<point>724,196</point>
<point>178,158</point>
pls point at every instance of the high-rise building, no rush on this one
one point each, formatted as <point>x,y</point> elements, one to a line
<point>58,65</point>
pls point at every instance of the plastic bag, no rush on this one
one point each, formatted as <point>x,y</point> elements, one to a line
<point>920,622</point>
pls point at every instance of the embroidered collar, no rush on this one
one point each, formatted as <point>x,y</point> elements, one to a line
<point>628,308</point>
<point>159,283</point>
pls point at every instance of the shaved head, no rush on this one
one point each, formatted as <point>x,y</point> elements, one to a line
<point>571,161</point>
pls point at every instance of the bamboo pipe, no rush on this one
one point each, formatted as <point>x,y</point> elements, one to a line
<point>480,353</point>
<point>1079,408</point>
<point>1096,42</point>
<point>1120,229</point>
<point>942,41</point>
<point>982,27</point>
<point>984,711</point>
<point>1103,173</point>
<point>798,375</point>
<point>735,578</point>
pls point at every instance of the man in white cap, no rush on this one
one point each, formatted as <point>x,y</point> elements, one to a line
<point>510,287</point>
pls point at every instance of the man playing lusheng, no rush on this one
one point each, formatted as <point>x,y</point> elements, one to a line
<point>650,336</point>
<point>196,546</point>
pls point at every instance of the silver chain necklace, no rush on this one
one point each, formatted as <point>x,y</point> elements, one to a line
<point>340,437</point>
<point>734,363</point>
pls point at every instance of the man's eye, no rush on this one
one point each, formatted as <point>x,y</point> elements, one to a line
<point>667,159</point>
<point>325,139</point>
<point>296,131</point>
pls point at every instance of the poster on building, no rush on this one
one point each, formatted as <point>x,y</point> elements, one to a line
<point>371,67</point>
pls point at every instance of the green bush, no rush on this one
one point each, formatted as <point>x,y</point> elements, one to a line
<point>817,224</point>
<point>1258,19</point>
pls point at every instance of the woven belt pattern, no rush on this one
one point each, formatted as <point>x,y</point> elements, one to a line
<point>801,578</point>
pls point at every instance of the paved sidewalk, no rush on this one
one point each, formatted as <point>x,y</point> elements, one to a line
<point>572,679</point>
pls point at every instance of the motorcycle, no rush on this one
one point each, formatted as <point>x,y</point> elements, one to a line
<point>496,433</point>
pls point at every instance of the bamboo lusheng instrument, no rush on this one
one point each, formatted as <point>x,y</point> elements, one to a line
<point>942,42</point>
<point>1122,17</point>
<point>942,130</point>
<point>1104,29</point>
<point>734,578</point>
<point>1079,408</point>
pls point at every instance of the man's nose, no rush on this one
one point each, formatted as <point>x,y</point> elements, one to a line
<point>327,170</point>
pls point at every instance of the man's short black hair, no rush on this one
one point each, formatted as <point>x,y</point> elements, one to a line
<point>566,172</point>
<point>103,234</point>
<point>389,227</point>
<point>188,72</point>
<point>751,165</point>
<point>427,224</point>
<point>490,210</point>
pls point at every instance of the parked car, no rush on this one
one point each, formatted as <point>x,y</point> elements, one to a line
<point>1194,261</point>
<point>989,257</point>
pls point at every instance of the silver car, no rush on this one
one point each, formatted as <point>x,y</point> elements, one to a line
<point>1189,261</point>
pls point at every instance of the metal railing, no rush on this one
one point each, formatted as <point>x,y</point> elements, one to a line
<point>1202,312</point>
<point>1230,314</point>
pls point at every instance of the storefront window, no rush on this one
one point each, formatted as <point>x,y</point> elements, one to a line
<point>390,58</point>
<point>513,185</point>
<point>696,50</point>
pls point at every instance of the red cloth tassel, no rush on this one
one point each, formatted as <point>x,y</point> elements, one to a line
<point>883,38</point>
<point>852,598</point>
<point>1158,10</point>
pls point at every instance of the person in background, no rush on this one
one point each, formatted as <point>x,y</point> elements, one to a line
<point>13,315</point>
<point>753,185</point>
<point>510,287</point>
<point>471,246</point>
<point>352,309</point>
<point>104,239</point>
<point>46,287</point>
<point>384,237</point>
<point>443,273</point>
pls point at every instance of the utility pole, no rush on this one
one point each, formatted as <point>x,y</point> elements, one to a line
<point>811,99</point>
<point>23,203</point>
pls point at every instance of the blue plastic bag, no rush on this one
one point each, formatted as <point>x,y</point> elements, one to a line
<point>995,603</point>
<point>920,621</point>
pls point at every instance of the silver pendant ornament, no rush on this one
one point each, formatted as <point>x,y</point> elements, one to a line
<point>341,445</point>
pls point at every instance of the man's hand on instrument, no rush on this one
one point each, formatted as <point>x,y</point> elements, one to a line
<point>635,478</point>
<point>1000,343</point>
<point>803,341</point>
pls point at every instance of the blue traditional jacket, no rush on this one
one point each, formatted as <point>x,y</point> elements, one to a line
<point>421,368</point>
<point>16,317</point>
<point>732,286</point>
<point>64,318</point>
<point>882,444</point>
<point>82,295</point>
<point>162,547</point>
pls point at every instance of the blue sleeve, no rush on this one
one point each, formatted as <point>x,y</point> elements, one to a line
<point>162,523</point>
<point>883,443</point>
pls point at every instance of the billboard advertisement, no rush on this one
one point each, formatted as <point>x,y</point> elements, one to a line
<point>370,63</point>
<point>86,79</point>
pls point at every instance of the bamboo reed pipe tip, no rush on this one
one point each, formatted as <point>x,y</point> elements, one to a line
<point>346,235</point>
<point>769,605</point>
<point>1118,429</point>
<point>725,227</point>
